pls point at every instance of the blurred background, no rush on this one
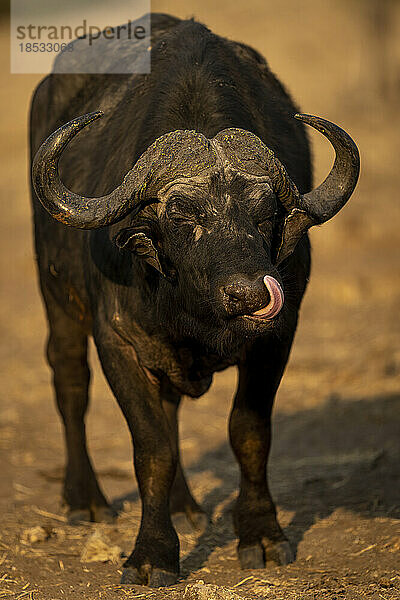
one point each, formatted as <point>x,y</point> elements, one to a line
<point>336,442</point>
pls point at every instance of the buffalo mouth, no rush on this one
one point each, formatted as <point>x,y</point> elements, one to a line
<point>275,304</point>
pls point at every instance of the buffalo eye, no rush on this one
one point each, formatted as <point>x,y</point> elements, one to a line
<point>181,210</point>
<point>141,245</point>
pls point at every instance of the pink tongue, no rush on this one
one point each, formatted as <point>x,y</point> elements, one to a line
<point>276,302</point>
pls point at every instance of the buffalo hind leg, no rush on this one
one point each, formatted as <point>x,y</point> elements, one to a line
<point>67,356</point>
<point>261,539</point>
<point>184,508</point>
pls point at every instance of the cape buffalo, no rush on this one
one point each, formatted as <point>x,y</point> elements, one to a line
<point>188,253</point>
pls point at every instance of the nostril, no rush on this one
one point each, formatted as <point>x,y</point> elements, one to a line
<point>260,298</point>
<point>233,298</point>
<point>244,296</point>
<point>234,293</point>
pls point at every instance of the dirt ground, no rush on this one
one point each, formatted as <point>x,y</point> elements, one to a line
<point>336,451</point>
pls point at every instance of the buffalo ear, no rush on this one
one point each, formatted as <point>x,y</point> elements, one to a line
<point>140,244</point>
<point>296,224</point>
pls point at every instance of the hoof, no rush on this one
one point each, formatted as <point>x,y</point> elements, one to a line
<point>181,523</point>
<point>251,557</point>
<point>186,523</point>
<point>151,577</point>
<point>103,514</point>
<point>266,554</point>
<point>279,553</point>
<point>131,576</point>
<point>76,517</point>
<point>199,521</point>
<point>97,514</point>
<point>161,578</point>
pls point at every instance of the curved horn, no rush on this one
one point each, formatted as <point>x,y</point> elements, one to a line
<point>322,203</point>
<point>66,206</point>
<point>327,199</point>
<point>175,154</point>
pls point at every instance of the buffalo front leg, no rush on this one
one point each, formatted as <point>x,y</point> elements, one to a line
<point>261,539</point>
<point>155,557</point>
<point>67,356</point>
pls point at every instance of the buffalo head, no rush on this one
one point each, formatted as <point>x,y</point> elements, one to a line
<point>221,215</point>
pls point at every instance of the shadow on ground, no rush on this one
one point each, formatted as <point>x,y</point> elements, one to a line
<point>344,454</point>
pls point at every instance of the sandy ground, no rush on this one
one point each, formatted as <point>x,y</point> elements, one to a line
<point>334,465</point>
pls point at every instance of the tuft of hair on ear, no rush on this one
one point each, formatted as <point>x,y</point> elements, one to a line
<point>141,245</point>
